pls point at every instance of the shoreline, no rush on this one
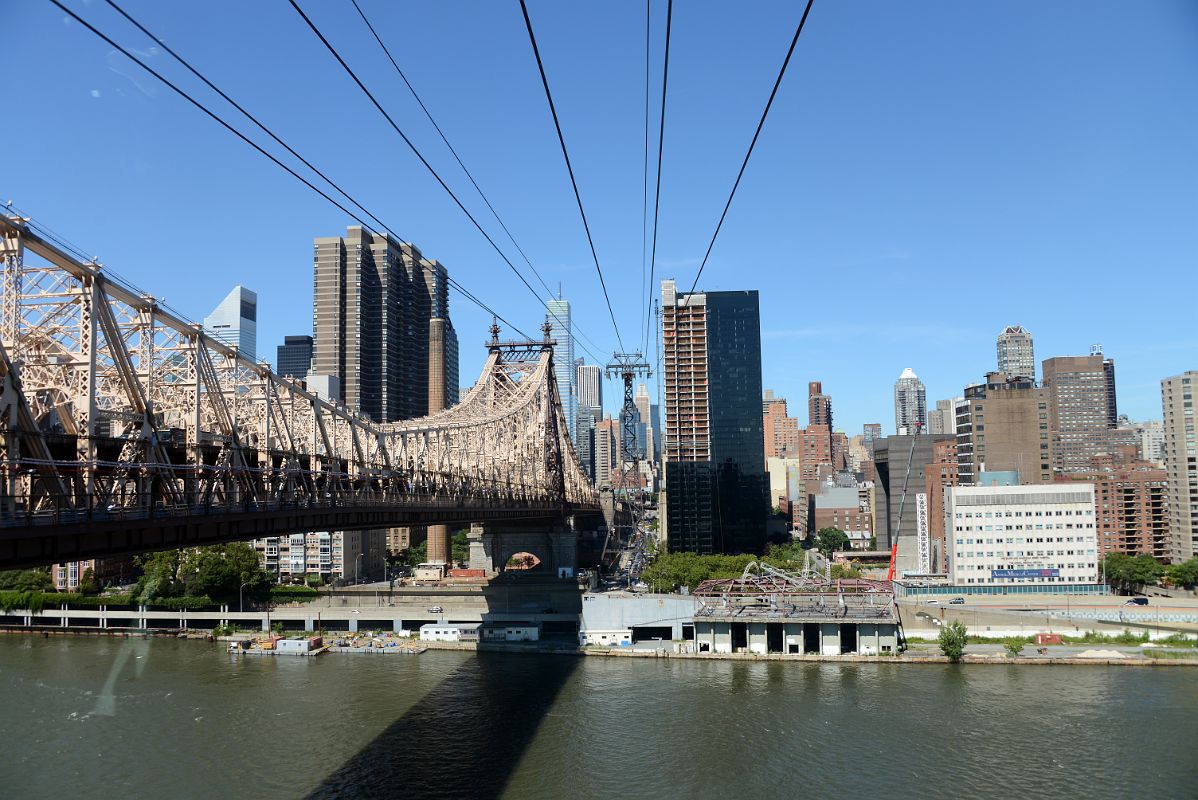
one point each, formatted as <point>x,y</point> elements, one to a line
<point>595,652</point>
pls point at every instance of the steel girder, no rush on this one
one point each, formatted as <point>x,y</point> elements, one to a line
<point>110,404</point>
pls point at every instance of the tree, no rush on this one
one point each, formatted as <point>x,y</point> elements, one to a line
<point>1014,647</point>
<point>1129,573</point>
<point>25,580</point>
<point>88,583</point>
<point>953,638</point>
<point>159,576</point>
<point>415,555</point>
<point>459,546</point>
<point>224,572</point>
<point>1183,574</point>
<point>829,540</point>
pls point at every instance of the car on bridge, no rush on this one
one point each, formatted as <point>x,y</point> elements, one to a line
<point>1137,601</point>
<point>435,610</point>
<point>957,601</point>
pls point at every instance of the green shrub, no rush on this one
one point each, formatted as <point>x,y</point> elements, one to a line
<point>1014,647</point>
<point>293,594</point>
<point>953,638</point>
<point>181,603</point>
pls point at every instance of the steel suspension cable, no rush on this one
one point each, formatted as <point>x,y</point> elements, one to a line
<point>415,151</point>
<point>445,139</point>
<point>661,137</point>
<point>227,126</point>
<point>753,143</point>
<point>569,168</point>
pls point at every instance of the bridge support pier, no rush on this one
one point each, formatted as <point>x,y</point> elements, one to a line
<point>554,544</point>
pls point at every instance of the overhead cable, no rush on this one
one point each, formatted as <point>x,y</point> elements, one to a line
<point>218,119</point>
<point>415,151</point>
<point>661,138</point>
<point>570,169</point>
<point>752,144</point>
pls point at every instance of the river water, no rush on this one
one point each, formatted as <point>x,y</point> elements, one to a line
<point>130,718</point>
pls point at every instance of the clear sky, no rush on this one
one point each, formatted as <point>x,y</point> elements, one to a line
<point>930,172</point>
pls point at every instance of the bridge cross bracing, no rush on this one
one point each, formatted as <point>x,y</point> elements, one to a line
<point>125,427</point>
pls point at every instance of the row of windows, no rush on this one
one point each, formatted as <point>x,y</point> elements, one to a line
<point>1023,554</point>
<point>1021,540</point>
<point>1049,526</point>
<point>1063,579</point>
<point>990,514</point>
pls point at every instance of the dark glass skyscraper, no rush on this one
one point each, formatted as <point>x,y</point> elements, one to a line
<point>294,357</point>
<point>716,486</point>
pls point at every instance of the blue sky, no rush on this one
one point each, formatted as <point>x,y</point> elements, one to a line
<point>929,173</point>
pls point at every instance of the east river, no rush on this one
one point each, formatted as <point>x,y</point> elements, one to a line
<point>84,717</point>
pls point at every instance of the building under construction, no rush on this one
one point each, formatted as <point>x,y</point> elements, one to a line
<point>767,610</point>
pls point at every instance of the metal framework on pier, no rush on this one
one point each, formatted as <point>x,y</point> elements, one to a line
<point>124,427</point>
<point>766,592</point>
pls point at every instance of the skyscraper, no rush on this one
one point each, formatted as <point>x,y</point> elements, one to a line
<point>942,419</point>
<point>1112,402</point>
<point>910,404</point>
<point>645,409</point>
<point>1181,463</point>
<point>1016,358</point>
<point>717,492</point>
<point>1078,410</point>
<point>819,405</point>
<point>590,385</point>
<point>870,433</point>
<point>562,336</point>
<point>1002,426</point>
<point>781,431</point>
<point>235,321</point>
<point>374,304</point>
<point>584,438</point>
<point>293,357</point>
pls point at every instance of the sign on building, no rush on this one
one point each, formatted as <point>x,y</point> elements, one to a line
<point>923,541</point>
<point>1025,573</point>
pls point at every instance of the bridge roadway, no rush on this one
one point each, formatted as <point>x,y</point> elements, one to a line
<point>58,536</point>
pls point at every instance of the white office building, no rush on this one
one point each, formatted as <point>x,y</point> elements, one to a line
<point>1006,535</point>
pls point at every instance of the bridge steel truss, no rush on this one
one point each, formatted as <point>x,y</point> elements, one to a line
<point>124,428</point>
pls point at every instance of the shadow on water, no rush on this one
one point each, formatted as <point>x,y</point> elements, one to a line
<point>465,738</point>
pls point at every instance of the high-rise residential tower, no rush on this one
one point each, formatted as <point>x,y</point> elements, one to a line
<point>235,321</point>
<point>374,304</point>
<point>590,384</point>
<point>1078,409</point>
<point>1181,463</point>
<point>717,491</point>
<point>1016,358</point>
<point>870,433</point>
<point>781,431</point>
<point>293,358</point>
<point>942,419</point>
<point>910,404</point>
<point>819,405</point>
<point>564,368</point>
